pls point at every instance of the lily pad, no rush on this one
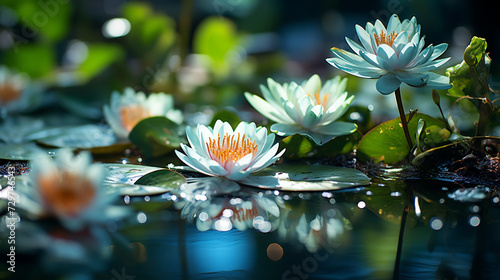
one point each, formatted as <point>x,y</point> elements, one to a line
<point>303,177</point>
<point>299,146</point>
<point>126,177</point>
<point>24,152</point>
<point>156,136</point>
<point>76,137</point>
<point>386,142</point>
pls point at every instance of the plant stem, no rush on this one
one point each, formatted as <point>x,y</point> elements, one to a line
<point>185,22</point>
<point>403,117</point>
<point>397,262</point>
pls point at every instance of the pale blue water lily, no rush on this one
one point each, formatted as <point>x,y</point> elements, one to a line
<point>70,189</point>
<point>308,109</point>
<point>18,92</point>
<point>393,55</point>
<point>226,153</point>
<point>127,109</point>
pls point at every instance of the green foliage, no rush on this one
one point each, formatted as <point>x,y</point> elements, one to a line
<point>470,79</point>
<point>99,57</point>
<point>387,143</point>
<point>37,60</point>
<point>156,136</point>
<point>216,37</point>
<point>300,147</point>
<point>226,116</point>
<point>151,32</point>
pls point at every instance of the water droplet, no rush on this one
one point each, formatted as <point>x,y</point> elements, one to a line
<point>436,223</point>
<point>474,221</point>
<point>361,204</point>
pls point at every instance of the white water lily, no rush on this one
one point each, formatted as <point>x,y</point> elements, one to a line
<point>232,154</point>
<point>127,109</point>
<point>393,55</point>
<point>68,188</point>
<point>18,93</point>
<point>308,109</point>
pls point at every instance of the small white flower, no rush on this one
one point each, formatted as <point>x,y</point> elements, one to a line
<point>308,109</point>
<point>68,188</point>
<point>127,109</point>
<point>233,154</point>
<point>18,94</point>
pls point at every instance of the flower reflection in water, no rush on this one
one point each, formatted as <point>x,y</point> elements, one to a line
<point>209,205</point>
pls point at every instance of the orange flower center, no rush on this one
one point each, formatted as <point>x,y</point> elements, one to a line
<point>66,193</point>
<point>8,93</point>
<point>230,149</point>
<point>320,100</point>
<point>387,39</point>
<point>133,114</point>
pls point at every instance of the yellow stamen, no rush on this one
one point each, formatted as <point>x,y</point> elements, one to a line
<point>387,39</point>
<point>133,114</point>
<point>66,193</point>
<point>320,100</point>
<point>8,93</point>
<point>230,149</point>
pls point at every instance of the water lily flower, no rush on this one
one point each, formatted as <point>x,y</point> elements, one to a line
<point>127,109</point>
<point>393,55</point>
<point>308,109</point>
<point>18,93</point>
<point>226,153</point>
<point>68,188</point>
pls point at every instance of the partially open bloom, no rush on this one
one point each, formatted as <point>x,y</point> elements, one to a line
<point>233,154</point>
<point>308,109</point>
<point>128,109</point>
<point>68,188</point>
<point>18,94</point>
<point>393,55</point>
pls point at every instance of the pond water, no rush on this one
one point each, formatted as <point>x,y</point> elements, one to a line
<point>390,229</point>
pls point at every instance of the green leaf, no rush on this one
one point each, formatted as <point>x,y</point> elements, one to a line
<point>226,116</point>
<point>37,60</point>
<point>141,180</point>
<point>303,177</point>
<point>386,142</point>
<point>470,77</point>
<point>156,136</point>
<point>215,37</point>
<point>299,146</point>
<point>164,178</point>
<point>50,19</point>
<point>99,57</point>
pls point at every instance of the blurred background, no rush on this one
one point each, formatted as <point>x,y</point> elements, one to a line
<point>207,53</point>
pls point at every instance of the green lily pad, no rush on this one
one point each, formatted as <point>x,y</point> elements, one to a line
<point>299,146</point>
<point>387,143</point>
<point>165,178</point>
<point>156,136</point>
<point>128,178</point>
<point>303,177</point>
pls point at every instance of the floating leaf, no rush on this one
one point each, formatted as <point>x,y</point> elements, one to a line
<point>99,57</point>
<point>303,177</point>
<point>24,151</point>
<point>76,137</point>
<point>126,177</point>
<point>386,142</point>
<point>156,136</point>
<point>165,178</point>
<point>298,146</point>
